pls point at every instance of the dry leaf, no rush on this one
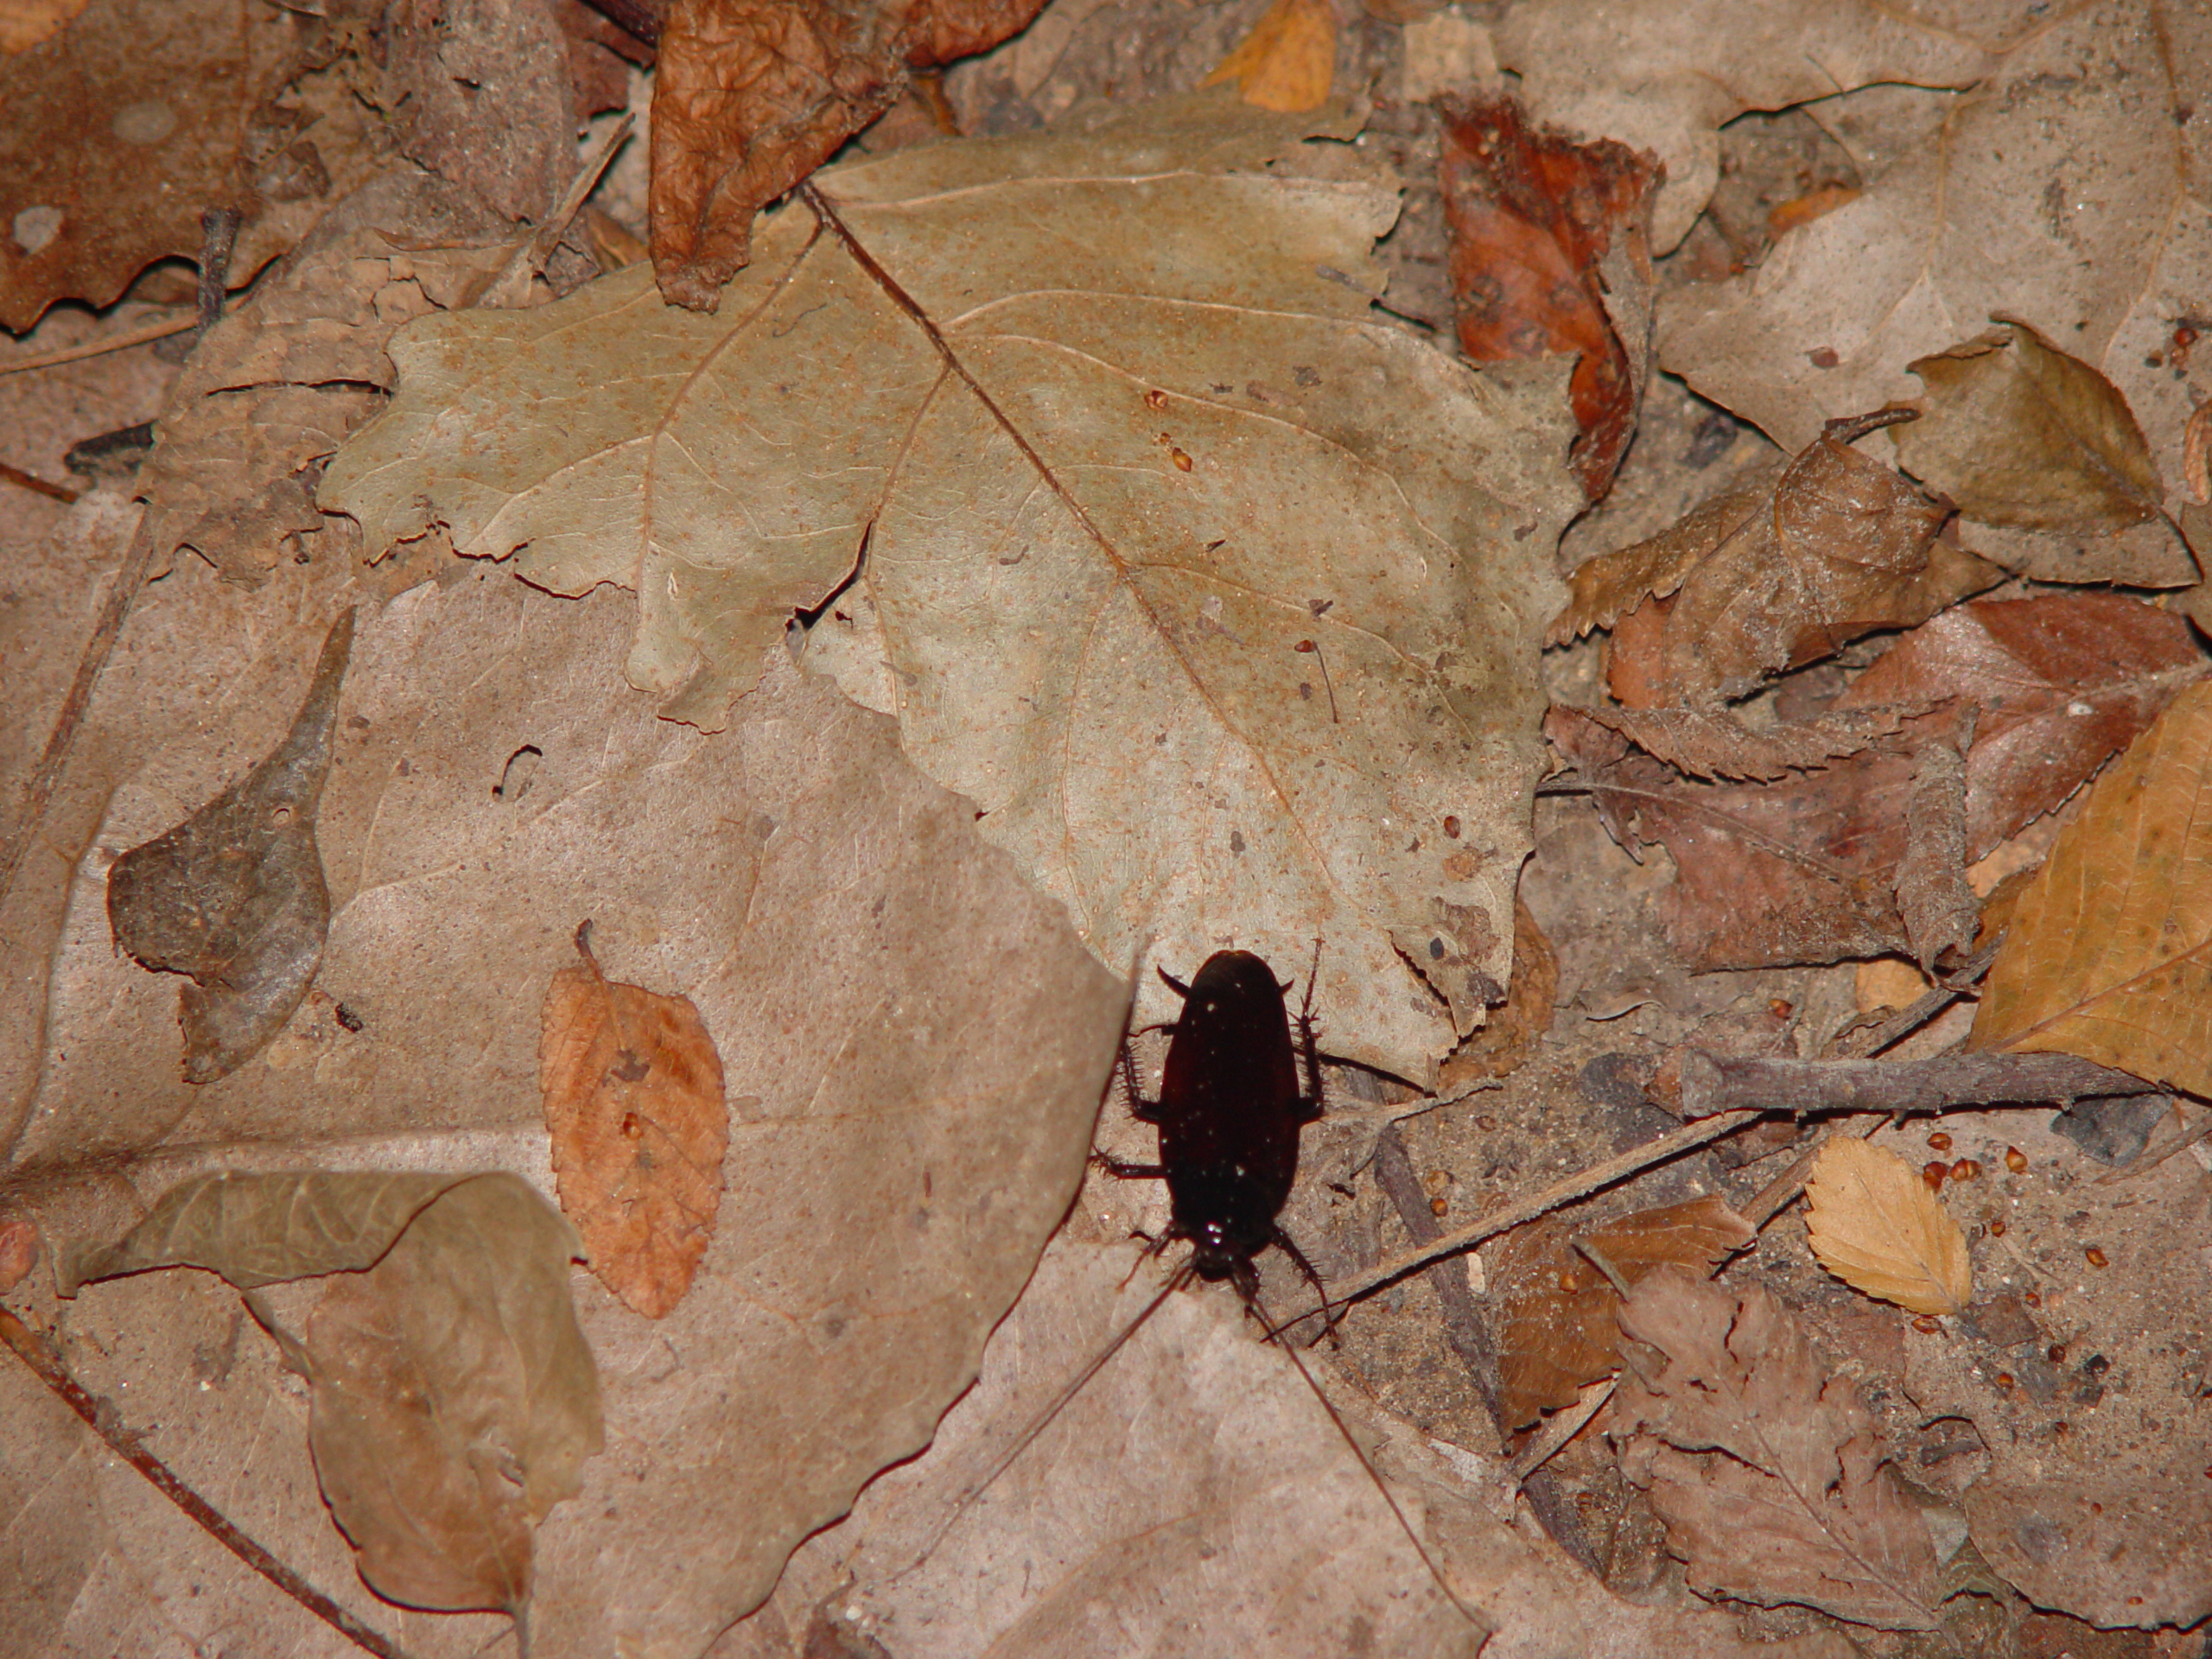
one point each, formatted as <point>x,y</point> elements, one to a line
<point>751,95</point>
<point>1958,221</point>
<point>1551,253</point>
<point>2110,953</point>
<point>1803,1507</point>
<point>1513,1033</point>
<point>259,1229</point>
<point>1840,547</point>
<point>1714,743</point>
<point>2024,437</point>
<point>455,1399</point>
<point>1558,1332</point>
<point>2057,683</point>
<point>1874,1224</point>
<point>633,1102</point>
<point>1286,64</point>
<point>479,91</point>
<point>1175,587</point>
<point>234,897</point>
<point>1666,75</point>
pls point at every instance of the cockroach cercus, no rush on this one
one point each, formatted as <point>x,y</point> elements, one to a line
<point>1235,1093</point>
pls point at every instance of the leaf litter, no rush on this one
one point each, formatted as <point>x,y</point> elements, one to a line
<point>2039,1422</point>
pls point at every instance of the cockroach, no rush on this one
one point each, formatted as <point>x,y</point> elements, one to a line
<point>1235,1092</point>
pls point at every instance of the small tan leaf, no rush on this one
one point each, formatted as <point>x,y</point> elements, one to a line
<point>234,895</point>
<point>1287,61</point>
<point>634,1103</point>
<point>262,1230</point>
<point>2110,952</point>
<point>1876,1226</point>
<point>455,1399</point>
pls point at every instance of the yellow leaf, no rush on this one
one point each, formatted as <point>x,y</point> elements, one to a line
<point>1286,62</point>
<point>1876,1226</point>
<point>2110,952</point>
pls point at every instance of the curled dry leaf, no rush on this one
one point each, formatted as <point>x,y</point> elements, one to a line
<point>1558,1332</point>
<point>2110,952</point>
<point>751,95</point>
<point>2031,441</point>
<point>1940,910</point>
<point>1763,580</point>
<point>1287,61</point>
<point>1797,1502</point>
<point>1874,1224</point>
<point>1122,473</point>
<point>1551,254</point>
<point>1714,743</point>
<point>453,1398</point>
<point>233,897</point>
<point>633,1102</point>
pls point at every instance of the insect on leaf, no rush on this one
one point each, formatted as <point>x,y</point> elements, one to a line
<point>2110,952</point>
<point>1876,1226</point>
<point>633,1102</point>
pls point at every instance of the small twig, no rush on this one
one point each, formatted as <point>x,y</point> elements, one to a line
<point>122,342</point>
<point>1508,1216</point>
<point>2143,1162</point>
<point>40,791</point>
<point>1713,1083</point>
<point>1872,1039</point>
<point>1558,1429</point>
<point>511,288</point>
<point>219,239</point>
<point>1463,1320</point>
<point>100,1416</point>
<point>33,482</point>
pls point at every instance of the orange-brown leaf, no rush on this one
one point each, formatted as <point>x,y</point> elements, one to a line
<point>1874,1224</point>
<point>2110,953</point>
<point>633,1101</point>
<point>1559,1329</point>
<point>1287,63</point>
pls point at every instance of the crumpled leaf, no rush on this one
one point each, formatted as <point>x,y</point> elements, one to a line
<point>633,1102</point>
<point>1558,1332</point>
<point>751,95</point>
<point>1551,252</point>
<point>1287,61</point>
<point>1714,743</point>
<point>1963,222</point>
<point>1841,546</point>
<point>1799,1506</point>
<point>259,1229</point>
<point>2022,436</point>
<point>2057,683</point>
<point>234,897</point>
<point>454,1398</point>
<point>1089,577</point>
<point>1874,1223</point>
<point>1666,75</point>
<point>2110,952</point>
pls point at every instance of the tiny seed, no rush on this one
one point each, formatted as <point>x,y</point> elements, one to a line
<point>1965,1169</point>
<point>1182,461</point>
<point>1452,825</point>
<point>2033,1299</point>
<point>2096,1509</point>
<point>2135,1601</point>
<point>1437,1206</point>
<point>1933,1173</point>
<point>2005,1380</point>
<point>1926,1325</point>
<point>1940,1140</point>
<point>1155,399</point>
<point>2097,1257</point>
<point>1997,1228</point>
<point>2096,1364</point>
<point>1781,1007</point>
<point>2061,1429</point>
<point>2057,1353</point>
<point>2015,1160</point>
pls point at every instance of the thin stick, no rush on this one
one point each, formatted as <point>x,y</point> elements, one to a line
<point>100,1416</point>
<point>33,482</point>
<point>40,791</point>
<point>1713,1083</point>
<point>101,347</point>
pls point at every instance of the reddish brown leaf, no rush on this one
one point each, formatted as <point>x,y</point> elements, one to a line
<point>2059,683</point>
<point>1558,1331</point>
<point>633,1102</point>
<point>1714,743</point>
<point>754,95</point>
<point>1551,253</point>
<point>1763,582</point>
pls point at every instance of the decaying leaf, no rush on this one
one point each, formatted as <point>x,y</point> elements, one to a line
<point>2031,441</point>
<point>1132,474</point>
<point>1512,1034</point>
<point>2057,684</point>
<point>1761,582</point>
<point>1551,253</point>
<point>1714,743</point>
<point>751,95</point>
<point>480,93</point>
<point>2110,952</point>
<point>259,1229</point>
<point>1873,1223</point>
<point>455,1399</point>
<point>1793,1500</point>
<point>233,897</point>
<point>1287,61</point>
<point>1558,1332</point>
<point>1960,220</point>
<point>633,1102</point>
